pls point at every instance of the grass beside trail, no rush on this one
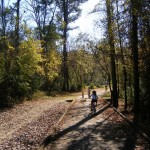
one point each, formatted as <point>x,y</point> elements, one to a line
<point>56,96</point>
<point>106,95</point>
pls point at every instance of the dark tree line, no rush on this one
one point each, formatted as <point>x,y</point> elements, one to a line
<point>127,35</point>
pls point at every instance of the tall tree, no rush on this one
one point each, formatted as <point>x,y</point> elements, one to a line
<point>112,49</point>
<point>43,13</point>
<point>122,54</point>
<point>144,55</point>
<point>69,12</point>
<point>134,46</point>
<point>3,18</point>
<point>17,24</point>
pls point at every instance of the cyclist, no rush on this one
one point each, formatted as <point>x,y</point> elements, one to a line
<point>94,98</point>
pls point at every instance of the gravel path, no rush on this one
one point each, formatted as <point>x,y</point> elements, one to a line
<point>26,125</point>
<point>106,130</point>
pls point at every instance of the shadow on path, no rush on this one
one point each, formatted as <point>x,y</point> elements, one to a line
<point>55,137</point>
<point>100,135</point>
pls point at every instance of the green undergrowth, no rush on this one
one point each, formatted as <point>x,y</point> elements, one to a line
<point>55,95</point>
<point>106,95</point>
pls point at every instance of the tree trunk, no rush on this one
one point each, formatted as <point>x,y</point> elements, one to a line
<point>122,57</point>
<point>17,24</point>
<point>3,18</point>
<point>65,53</point>
<point>125,88</point>
<point>112,48</point>
<point>134,46</point>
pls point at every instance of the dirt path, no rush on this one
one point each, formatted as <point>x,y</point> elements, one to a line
<point>27,125</point>
<point>19,116</point>
<point>104,131</point>
<point>24,126</point>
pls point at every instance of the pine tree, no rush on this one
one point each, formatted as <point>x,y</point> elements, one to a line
<point>69,12</point>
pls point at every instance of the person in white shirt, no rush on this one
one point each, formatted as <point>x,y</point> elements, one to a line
<point>94,98</point>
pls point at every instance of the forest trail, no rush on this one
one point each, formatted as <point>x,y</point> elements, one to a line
<point>105,130</point>
<point>28,125</point>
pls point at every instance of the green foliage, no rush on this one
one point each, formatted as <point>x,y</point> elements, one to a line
<point>52,65</point>
<point>28,61</point>
<point>92,86</point>
<point>2,70</point>
<point>80,69</point>
<point>107,94</point>
<point>30,57</point>
<point>17,81</point>
<point>39,94</point>
<point>74,87</point>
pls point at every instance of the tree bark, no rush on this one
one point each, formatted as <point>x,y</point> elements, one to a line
<point>122,57</point>
<point>17,24</point>
<point>112,48</point>
<point>65,53</point>
<point>134,46</point>
<point>3,18</point>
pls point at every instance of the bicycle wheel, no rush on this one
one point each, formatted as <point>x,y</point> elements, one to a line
<point>94,108</point>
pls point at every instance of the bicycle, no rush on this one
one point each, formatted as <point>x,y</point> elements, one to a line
<point>93,108</point>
